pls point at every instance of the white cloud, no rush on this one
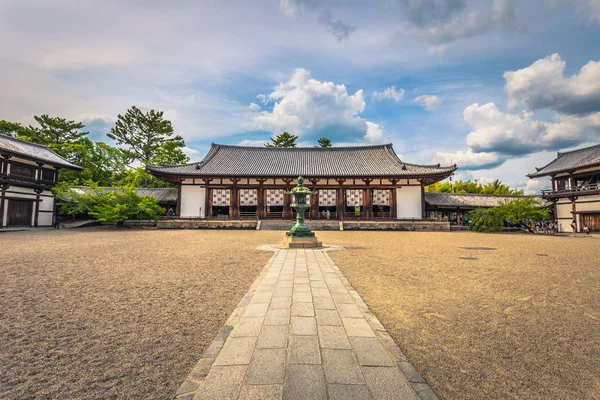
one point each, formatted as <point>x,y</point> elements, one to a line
<point>253,142</point>
<point>519,134</point>
<point>307,107</point>
<point>339,29</point>
<point>254,107</point>
<point>389,93</point>
<point>467,24</point>
<point>535,186</point>
<point>423,12</point>
<point>431,102</point>
<point>587,9</point>
<point>468,159</point>
<point>543,85</point>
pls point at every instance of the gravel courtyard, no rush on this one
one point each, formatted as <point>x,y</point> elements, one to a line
<point>125,313</point>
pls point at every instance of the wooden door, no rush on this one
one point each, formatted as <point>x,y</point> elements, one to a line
<point>19,212</point>
<point>592,221</point>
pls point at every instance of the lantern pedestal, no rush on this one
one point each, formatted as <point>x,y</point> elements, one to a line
<point>291,242</point>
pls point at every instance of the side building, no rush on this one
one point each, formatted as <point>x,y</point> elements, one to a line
<point>575,187</point>
<point>237,182</point>
<point>28,171</point>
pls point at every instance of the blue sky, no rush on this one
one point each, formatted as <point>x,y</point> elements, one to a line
<point>496,86</point>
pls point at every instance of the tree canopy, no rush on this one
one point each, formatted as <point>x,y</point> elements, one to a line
<point>283,140</point>
<point>54,131</point>
<point>468,186</point>
<point>517,211</point>
<point>143,134</point>
<point>324,142</point>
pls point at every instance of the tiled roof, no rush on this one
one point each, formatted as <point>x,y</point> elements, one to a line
<point>33,151</point>
<point>367,161</point>
<point>162,195</point>
<point>570,161</point>
<point>469,200</point>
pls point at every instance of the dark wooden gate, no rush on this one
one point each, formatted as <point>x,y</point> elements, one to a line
<point>592,221</point>
<point>19,212</point>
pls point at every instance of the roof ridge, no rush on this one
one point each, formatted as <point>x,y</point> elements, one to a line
<point>26,142</point>
<point>562,153</point>
<point>315,148</point>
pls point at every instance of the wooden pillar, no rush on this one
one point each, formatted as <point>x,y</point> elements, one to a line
<point>234,203</point>
<point>209,203</point>
<point>314,205</point>
<point>287,211</point>
<point>260,203</point>
<point>393,208</point>
<point>340,201</point>
<point>423,205</point>
<point>368,203</point>
<point>178,206</point>
<point>37,207</point>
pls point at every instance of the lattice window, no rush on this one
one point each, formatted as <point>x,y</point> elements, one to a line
<point>327,198</point>
<point>381,197</point>
<point>221,197</point>
<point>275,197</point>
<point>354,197</point>
<point>248,197</point>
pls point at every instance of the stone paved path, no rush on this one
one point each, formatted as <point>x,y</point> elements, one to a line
<point>302,332</point>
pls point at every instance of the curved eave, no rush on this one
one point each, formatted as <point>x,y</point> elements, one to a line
<point>67,164</point>
<point>540,174</point>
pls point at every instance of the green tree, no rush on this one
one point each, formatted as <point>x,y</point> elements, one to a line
<point>168,154</point>
<point>13,129</point>
<point>517,211</point>
<point>324,142</point>
<point>101,162</point>
<point>143,134</point>
<point>55,131</point>
<point>283,140</point>
<point>496,187</point>
<point>139,177</point>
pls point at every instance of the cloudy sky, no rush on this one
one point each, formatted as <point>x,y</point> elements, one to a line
<point>495,86</point>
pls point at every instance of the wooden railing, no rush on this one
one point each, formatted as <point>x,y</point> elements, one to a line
<point>275,215</point>
<point>580,190</point>
<point>248,215</point>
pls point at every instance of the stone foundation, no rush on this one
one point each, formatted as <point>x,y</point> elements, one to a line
<point>206,224</point>
<point>299,243</point>
<point>425,226</point>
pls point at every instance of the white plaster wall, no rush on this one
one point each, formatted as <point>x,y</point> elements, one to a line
<point>45,219</point>
<point>408,202</point>
<point>193,198</point>
<point>5,216</point>
<point>564,216</point>
<point>46,203</point>
<point>583,205</point>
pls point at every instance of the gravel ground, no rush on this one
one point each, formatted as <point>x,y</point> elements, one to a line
<point>124,313</point>
<point>116,313</point>
<point>511,325</point>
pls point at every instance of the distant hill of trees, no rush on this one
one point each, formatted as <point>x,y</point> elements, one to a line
<point>468,186</point>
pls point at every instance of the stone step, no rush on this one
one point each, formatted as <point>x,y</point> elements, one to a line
<point>318,225</point>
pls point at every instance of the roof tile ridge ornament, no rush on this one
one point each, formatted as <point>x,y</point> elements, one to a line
<point>313,148</point>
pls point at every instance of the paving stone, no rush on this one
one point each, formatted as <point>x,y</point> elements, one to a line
<point>283,292</point>
<point>324,303</point>
<point>321,292</point>
<point>223,383</point>
<point>341,366</point>
<point>303,310</point>
<point>266,288</point>
<point>186,387</point>
<point>237,351</point>
<point>424,392</point>
<point>273,337</point>
<point>267,367</point>
<point>357,327</point>
<point>410,372</point>
<point>328,317</point>
<point>333,337</point>
<point>256,310</point>
<point>283,283</point>
<point>202,368</point>
<point>301,280</point>
<point>261,392</point>
<point>338,289</point>
<point>349,311</point>
<point>348,392</point>
<point>302,288</point>
<point>304,350</point>
<point>261,297</point>
<point>318,285</point>
<point>302,297</point>
<point>370,352</point>
<point>388,383</point>
<point>248,327</point>
<point>281,302</point>
<point>304,382</point>
<point>278,317</point>
<point>303,326</point>
<point>342,298</point>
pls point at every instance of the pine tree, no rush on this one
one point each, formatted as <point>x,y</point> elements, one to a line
<point>143,134</point>
<point>283,140</point>
<point>324,142</point>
